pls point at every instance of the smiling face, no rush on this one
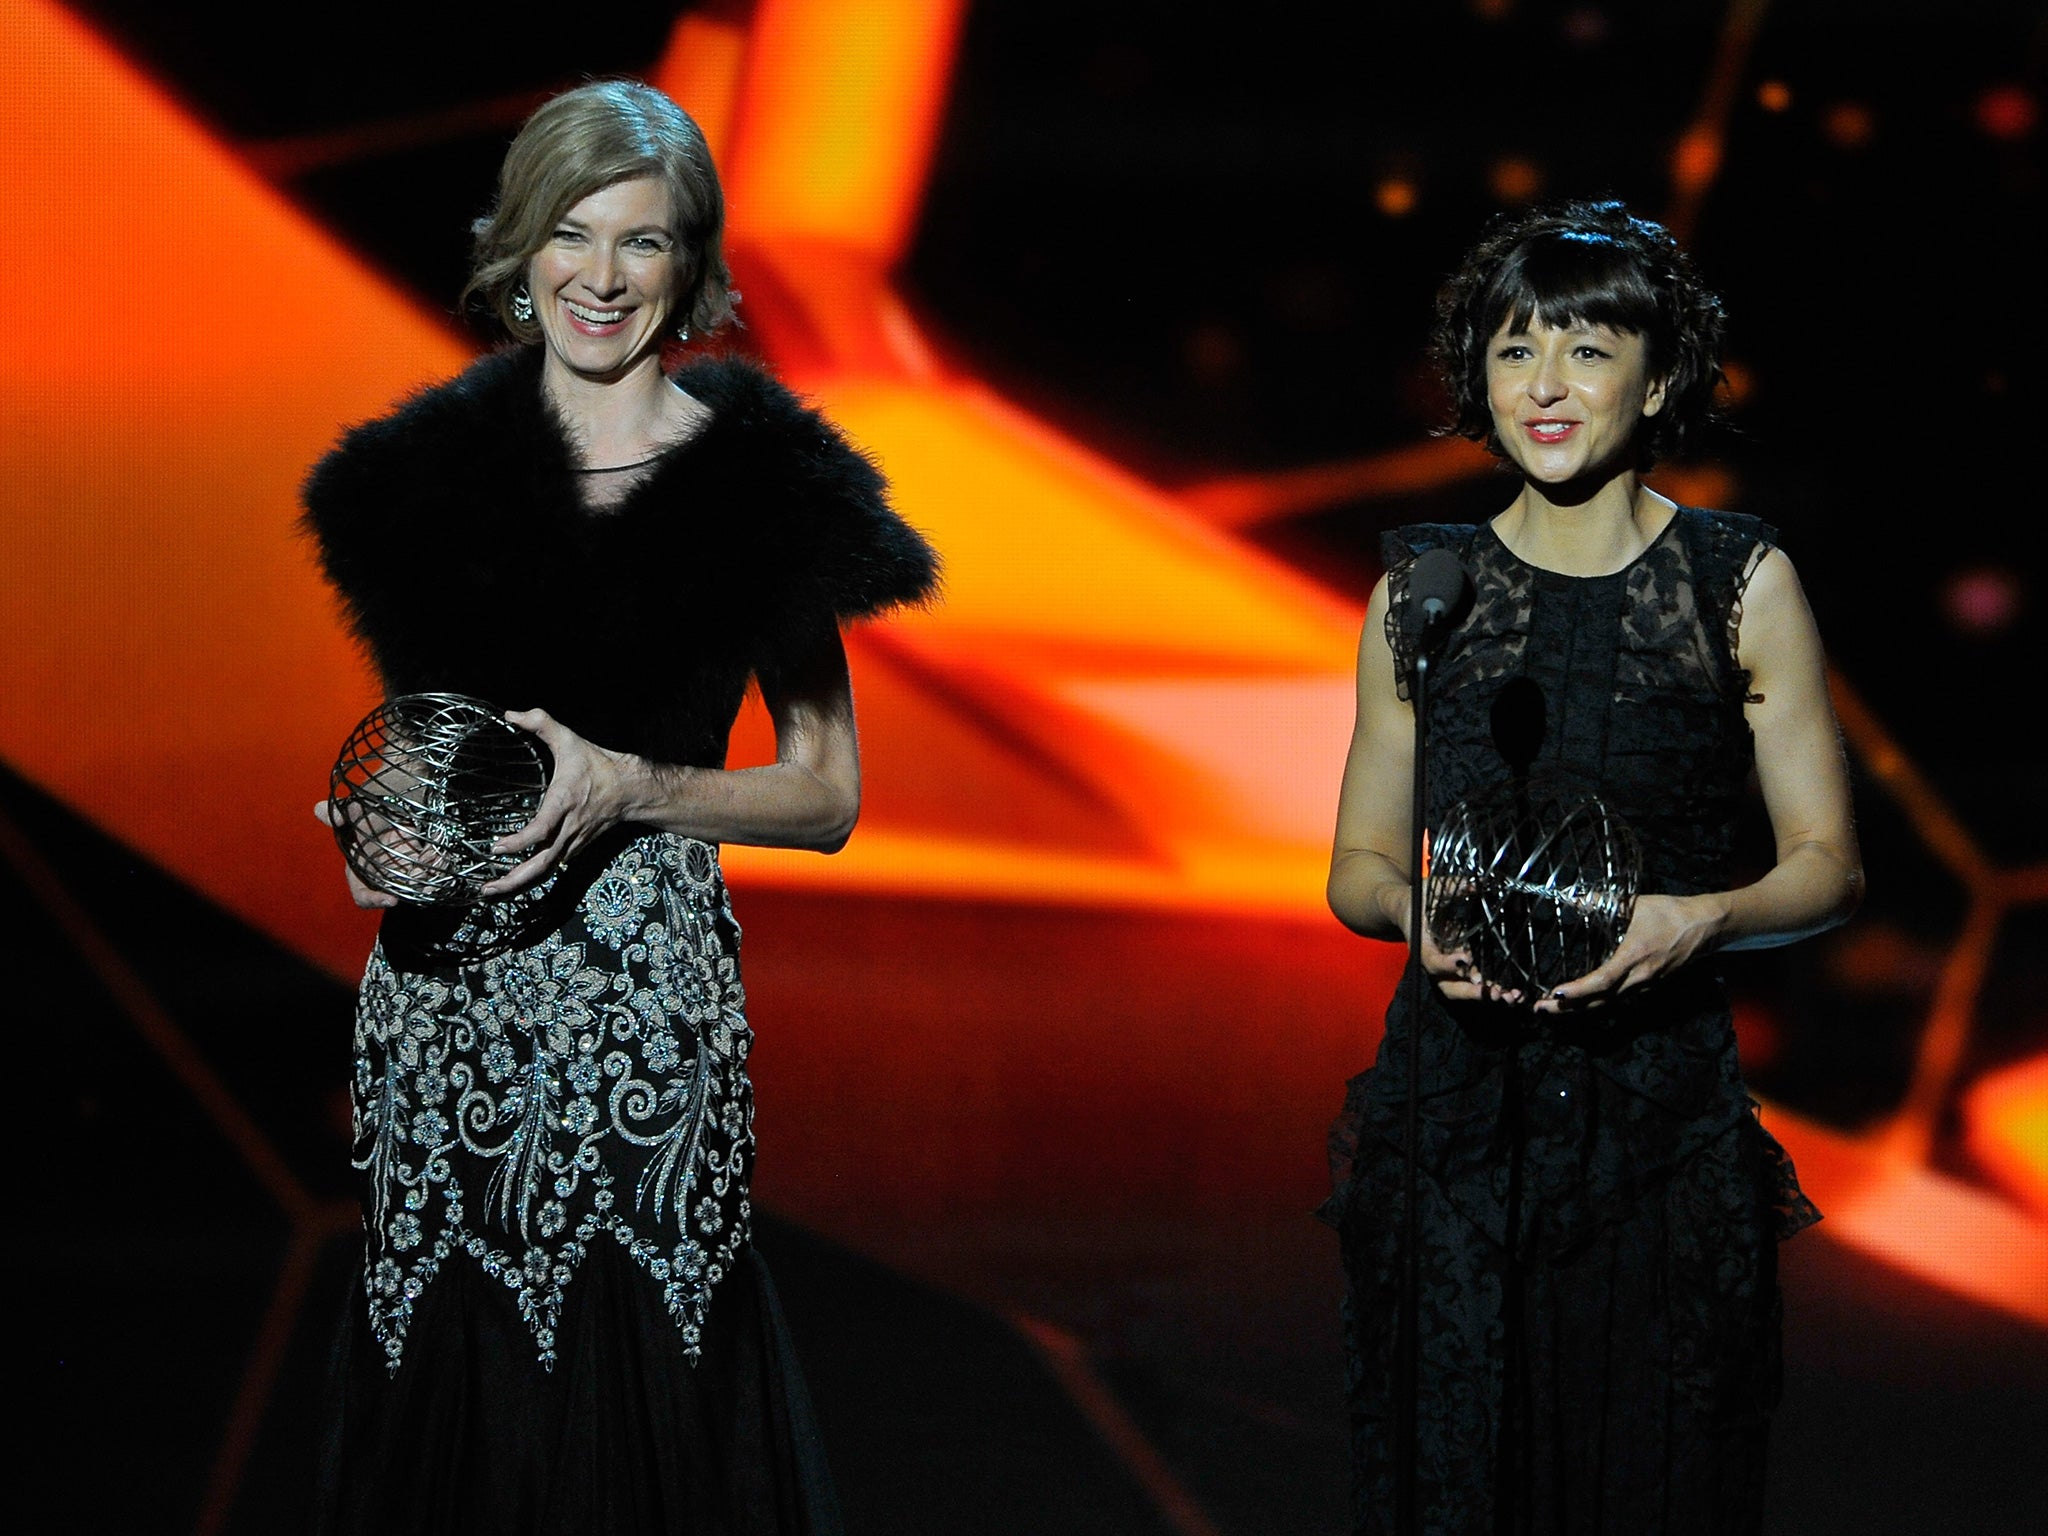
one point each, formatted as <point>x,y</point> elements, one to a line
<point>604,284</point>
<point>1567,400</point>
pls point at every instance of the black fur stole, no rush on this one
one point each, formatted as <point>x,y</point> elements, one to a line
<point>466,561</point>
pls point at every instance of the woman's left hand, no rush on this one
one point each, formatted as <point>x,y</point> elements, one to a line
<point>587,793</point>
<point>1663,934</point>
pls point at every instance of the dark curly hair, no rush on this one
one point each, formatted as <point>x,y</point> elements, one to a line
<point>1583,263</point>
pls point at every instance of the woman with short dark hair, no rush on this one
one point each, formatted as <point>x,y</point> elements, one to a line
<point>1599,264</point>
<point>1597,1207</point>
<point>561,1324</point>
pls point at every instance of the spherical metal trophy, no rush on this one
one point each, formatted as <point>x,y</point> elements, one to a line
<point>1537,886</point>
<point>423,787</point>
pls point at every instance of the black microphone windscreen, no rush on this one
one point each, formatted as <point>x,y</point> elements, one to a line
<point>1437,588</point>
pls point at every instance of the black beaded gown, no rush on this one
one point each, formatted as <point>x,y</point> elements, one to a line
<point>561,1326</point>
<point>1599,1206</point>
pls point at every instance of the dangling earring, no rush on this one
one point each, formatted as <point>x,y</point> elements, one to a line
<point>683,331</point>
<point>522,305</point>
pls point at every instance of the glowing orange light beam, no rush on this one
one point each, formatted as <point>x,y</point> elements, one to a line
<point>2006,1112</point>
<point>1921,1222</point>
<point>282,159</point>
<point>169,659</point>
<point>1952,1017</point>
<point>1696,158</point>
<point>851,96</point>
<point>1063,571</point>
<point>1950,1021</point>
<point>1067,1358</point>
<point>2020,887</point>
<point>1245,501</point>
<point>702,68</point>
<point>1886,762</point>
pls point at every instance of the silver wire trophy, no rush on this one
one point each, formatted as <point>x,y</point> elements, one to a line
<point>422,788</point>
<point>1537,886</point>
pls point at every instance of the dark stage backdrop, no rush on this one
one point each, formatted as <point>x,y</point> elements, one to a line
<point>1129,300</point>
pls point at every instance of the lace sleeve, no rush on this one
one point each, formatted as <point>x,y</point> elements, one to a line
<point>1733,545</point>
<point>1757,551</point>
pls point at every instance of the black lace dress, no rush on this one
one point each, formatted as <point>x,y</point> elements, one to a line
<point>1599,1206</point>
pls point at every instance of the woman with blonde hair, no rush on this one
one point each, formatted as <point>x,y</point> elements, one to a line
<point>561,1324</point>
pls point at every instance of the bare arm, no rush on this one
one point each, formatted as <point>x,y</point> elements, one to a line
<point>1369,875</point>
<point>1817,879</point>
<point>809,797</point>
<point>1370,886</point>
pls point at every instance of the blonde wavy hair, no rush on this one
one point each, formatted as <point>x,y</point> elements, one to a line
<point>583,141</point>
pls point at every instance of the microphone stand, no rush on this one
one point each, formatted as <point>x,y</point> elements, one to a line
<point>1415,982</point>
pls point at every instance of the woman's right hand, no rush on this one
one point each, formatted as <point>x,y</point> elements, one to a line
<point>366,896</point>
<point>1458,979</point>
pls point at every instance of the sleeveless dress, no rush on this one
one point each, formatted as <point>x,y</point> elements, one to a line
<point>561,1325</point>
<point>1598,1206</point>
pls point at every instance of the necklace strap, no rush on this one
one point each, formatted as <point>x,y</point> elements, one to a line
<point>616,469</point>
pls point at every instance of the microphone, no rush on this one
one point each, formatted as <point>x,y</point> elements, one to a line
<point>1439,592</point>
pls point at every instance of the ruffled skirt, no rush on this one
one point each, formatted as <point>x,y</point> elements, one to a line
<point>1598,1308</point>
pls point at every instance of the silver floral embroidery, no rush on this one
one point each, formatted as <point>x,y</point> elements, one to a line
<point>593,1084</point>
